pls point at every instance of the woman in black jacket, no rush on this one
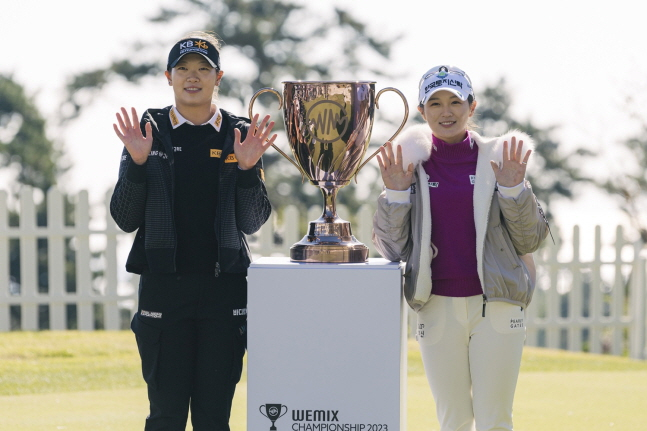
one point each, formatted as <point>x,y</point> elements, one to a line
<point>191,184</point>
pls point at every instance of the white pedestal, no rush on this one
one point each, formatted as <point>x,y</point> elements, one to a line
<point>326,346</point>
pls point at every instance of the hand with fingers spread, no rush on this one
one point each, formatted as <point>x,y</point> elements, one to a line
<point>393,173</point>
<point>512,170</point>
<point>138,145</point>
<point>255,144</point>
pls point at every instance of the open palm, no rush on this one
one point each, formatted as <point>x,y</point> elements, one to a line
<point>249,151</point>
<point>138,145</point>
<point>512,170</point>
<point>392,169</point>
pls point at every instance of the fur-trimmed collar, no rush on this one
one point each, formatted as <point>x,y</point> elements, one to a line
<point>416,144</point>
<point>416,149</point>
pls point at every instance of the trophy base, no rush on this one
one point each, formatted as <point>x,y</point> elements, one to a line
<point>324,253</point>
<point>328,242</point>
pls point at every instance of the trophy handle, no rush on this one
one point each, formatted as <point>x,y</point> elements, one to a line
<point>404,121</point>
<point>260,409</point>
<point>286,410</point>
<point>251,115</point>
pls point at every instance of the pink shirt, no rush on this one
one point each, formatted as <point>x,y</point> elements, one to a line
<point>451,173</point>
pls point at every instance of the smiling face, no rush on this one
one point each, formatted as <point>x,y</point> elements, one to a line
<point>447,115</point>
<point>193,80</point>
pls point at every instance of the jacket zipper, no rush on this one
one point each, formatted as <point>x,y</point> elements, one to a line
<point>171,161</point>
<point>219,212</point>
<point>484,304</point>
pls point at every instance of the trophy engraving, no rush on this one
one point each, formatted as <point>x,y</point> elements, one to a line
<point>328,124</point>
<point>273,412</point>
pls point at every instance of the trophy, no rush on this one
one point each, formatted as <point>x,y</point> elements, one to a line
<point>273,412</point>
<point>328,125</point>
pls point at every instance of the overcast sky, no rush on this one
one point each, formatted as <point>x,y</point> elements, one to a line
<point>570,64</point>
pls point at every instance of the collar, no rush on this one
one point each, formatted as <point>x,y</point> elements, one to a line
<point>467,140</point>
<point>177,119</point>
<point>453,152</point>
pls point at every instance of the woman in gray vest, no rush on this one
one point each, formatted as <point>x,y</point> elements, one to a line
<point>457,208</point>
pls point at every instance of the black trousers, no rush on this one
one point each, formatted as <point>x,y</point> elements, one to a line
<point>190,332</point>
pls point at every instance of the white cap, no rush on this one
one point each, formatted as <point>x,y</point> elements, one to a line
<point>444,77</point>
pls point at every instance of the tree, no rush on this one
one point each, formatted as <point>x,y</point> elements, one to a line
<point>25,150</point>
<point>629,186</point>
<point>24,146</point>
<point>552,173</point>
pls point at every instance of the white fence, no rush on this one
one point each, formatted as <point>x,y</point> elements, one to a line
<point>45,297</point>
<point>72,277</point>
<point>597,305</point>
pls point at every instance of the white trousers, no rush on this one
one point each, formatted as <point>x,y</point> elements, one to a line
<point>472,362</point>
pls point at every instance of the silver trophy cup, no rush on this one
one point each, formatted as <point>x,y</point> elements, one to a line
<point>328,124</point>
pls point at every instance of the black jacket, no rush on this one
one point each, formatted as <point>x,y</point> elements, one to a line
<point>143,200</point>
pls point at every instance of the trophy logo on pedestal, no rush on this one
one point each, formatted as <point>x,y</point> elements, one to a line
<point>328,124</point>
<point>273,412</point>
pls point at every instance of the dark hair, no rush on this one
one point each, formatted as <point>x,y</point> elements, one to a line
<point>471,125</point>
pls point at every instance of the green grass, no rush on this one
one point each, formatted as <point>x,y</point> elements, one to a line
<point>67,361</point>
<point>91,381</point>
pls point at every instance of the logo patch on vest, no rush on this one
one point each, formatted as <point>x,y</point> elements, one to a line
<point>516,323</point>
<point>151,314</point>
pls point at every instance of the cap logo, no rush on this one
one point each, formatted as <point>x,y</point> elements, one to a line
<point>440,82</point>
<point>189,43</point>
<point>194,46</point>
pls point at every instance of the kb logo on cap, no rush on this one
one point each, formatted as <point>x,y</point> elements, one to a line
<point>189,44</point>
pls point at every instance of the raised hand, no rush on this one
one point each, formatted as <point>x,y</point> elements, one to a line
<point>512,170</point>
<point>393,173</point>
<point>255,144</point>
<point>138,145</point>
